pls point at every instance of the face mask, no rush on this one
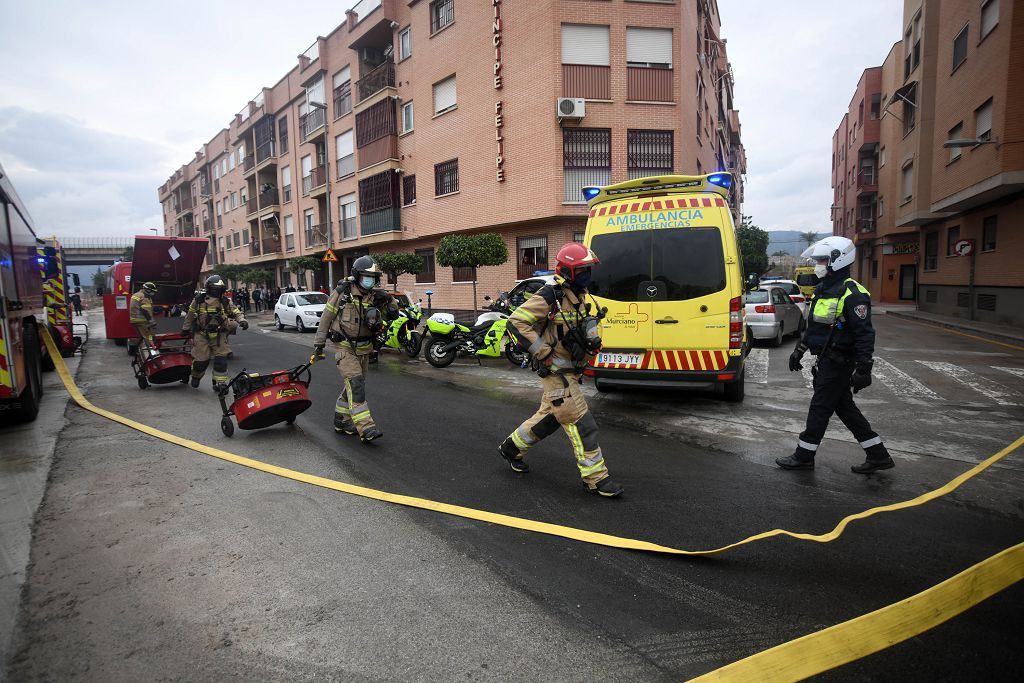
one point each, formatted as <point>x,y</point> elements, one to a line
<point>367,282</point>
<point>582,279</point>
<point>821,271</point>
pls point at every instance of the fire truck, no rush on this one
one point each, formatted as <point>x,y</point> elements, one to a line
<point>58,286</point>
<point>22,309</point>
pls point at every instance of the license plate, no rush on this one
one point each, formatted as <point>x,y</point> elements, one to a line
<point>618,358</point>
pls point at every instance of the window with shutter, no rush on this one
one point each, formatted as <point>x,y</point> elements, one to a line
<point>989,16</point>
<point>444,95</point>
<point>983,121</point>
<point>583,44</point>
<point>649,47</point>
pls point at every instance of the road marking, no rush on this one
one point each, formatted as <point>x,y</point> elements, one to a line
<point>982,385</point>
<point>900,383</point>
<point>964,334</point>
<point>757,366</point>
<point>510,521</point>
<point>1013,371</point>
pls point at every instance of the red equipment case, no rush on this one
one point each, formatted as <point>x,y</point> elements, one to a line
<point>264,400</point>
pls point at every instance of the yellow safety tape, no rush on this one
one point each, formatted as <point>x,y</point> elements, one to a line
<point>494,517</point>
<point>837,645</point>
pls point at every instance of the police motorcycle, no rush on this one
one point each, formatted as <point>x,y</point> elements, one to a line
<point>489,337</point>
<point>400,332</point>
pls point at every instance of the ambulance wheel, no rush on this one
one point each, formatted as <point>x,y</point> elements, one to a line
<point>602,387</point>
<point>437,356</point>
<point>277,320</point>
<point>734,391</point>
<point>227,426</point>
<point>143,383</point>
<point>413,344</point>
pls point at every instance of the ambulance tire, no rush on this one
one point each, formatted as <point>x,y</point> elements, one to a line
<point>734,391</point>
<point>602,387</point>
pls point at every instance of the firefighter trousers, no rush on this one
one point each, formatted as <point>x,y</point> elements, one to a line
<point>563,405</point>
<point>351,409</point>
<point>833,396</point>
<point>204,347</point>
<point>145,330</point>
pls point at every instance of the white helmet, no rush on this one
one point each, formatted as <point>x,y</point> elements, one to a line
<point>839,251</point>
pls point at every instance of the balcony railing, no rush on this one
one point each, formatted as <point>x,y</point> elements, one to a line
<point>649,84</point>
<point>343,99</point>
<point>866,177</point>
<point>269,199</point>
<point>265,151</point>
<point>376,80</point>
<point>584,80</point>
<point>254,248</point>
<point>311,122</point>
<point>271,245</point>
<point>363,8</point>
<point>316,235</point>
<point>251,206</point>
<point>346,165</point>
<point>317,178</point>
<point>865,225</point>
<point>185,204</point>
<point>349,228</point>
<point>375,222</point>
<point>249,162</point>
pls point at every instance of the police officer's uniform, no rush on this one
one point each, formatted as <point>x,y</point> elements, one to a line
<point>211,319</point>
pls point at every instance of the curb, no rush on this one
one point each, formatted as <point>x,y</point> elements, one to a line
<point>1005,338</point>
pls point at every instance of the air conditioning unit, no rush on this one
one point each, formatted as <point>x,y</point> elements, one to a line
<point>571,108</point>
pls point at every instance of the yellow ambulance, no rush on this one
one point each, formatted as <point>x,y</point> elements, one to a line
<point>671,277</point>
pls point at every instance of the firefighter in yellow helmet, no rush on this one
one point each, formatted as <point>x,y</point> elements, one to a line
<point>140,313</point>
<point>210,319</point>
<point>352,318</point>
<point>562,335</point>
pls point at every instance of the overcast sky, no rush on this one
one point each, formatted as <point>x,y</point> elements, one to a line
<point>101,101</point>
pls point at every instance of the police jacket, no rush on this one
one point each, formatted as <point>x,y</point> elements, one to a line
<point>841,301</point>
<point>211,316</point>
<point>140,310</point>
<point>346,312</point>
<point>543,320</point>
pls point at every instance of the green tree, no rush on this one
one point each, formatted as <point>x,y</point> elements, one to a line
<point>753,244</point>
<point>300,264</point>
<point>99,279</point>
<point>257,277</point>
<point>781,253</point>
<point>128,254</point>
<point>230,272</point>
<point>396,264</point>
<point>472,251</point>
<point>810,237</point>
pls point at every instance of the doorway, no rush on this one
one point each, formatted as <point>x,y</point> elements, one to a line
<point>908,282</point>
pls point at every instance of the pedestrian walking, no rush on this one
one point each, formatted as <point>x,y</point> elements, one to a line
<point>839,332</point>
<point>257,299</point>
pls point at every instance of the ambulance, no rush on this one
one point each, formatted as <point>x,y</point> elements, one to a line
<point>671,278</point>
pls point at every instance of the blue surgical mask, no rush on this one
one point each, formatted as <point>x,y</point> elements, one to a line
<point>367,282</point>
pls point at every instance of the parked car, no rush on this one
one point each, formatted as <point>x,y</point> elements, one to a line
<point>301,310</point>
<point>771,314</point>
<point>529,286</point>
<point>794,291</point>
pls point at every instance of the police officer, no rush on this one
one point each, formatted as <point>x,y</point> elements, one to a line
<point>352,318</point>
<point>210,319</point>
<point>140,312</point>
<point>562,335</point>
<point>840,334</point>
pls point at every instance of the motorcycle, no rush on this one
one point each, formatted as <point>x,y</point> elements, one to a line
<point>488,337</point>
<point>400,333</point>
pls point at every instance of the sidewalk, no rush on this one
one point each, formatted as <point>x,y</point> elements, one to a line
<point>1002,333</point>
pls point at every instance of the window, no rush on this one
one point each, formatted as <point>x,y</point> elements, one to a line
<point>931,251</point>
<point>378,192</point>
<point>344,146</point>
<point>881,206</point>
<point>983,121</point>
<point>309,224</point>
<point>237,238</point>
<point>649,47</point>
<point>876,106</point>
<point>218,207</point>
<point>955,132</point>
<point>409,190</point>
<point>231,162</point>
<point>988,233</point>
<point>989,16</point>
<point>244,195</point>
<point>952,237</point>
<point>881,156</point>
<point>444,95</point>
<point>909,108</point>
<point>463,274</point>
<point>874,270</point>
<point>446,177</point>
<point>960,47</point>
<point>224,166</point>
<point>342,92</point>
<point>918,28</point>
<point>220,243</point>
<point>578,236</point>
<point>286,183</point>
<point>426,276</point>
<point>347,216</point>
<point>442,13</point>
<point>216,171</point>
<point>282,134</point>
<point>245,236</point>
<point>307,174</point>
<point>289,233</point>
<point>907,184</point>
<point>586,160</point>
<point>648,152</point>
<point>407,117</point>
<point>583,44</point>
<point>241,154</point>
<point>405,43</point>
<point>532,256</point>
<point>234,200</point>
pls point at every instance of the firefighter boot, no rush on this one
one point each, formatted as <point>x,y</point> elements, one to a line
<point>194,382</point>
<point>876,458</point>
<point>344,424</point>
<point>370,433</point>
<point>508,450</point>
<point>607,488</point>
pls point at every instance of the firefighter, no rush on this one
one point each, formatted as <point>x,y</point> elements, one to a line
<point>352,318</point>
<point>210,319</point>
<point>140,313</point>
<point>840,334</point>
<point>562,335</point>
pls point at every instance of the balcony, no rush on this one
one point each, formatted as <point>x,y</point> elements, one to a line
<point>251,208</point>
<point>311,125</point>
<point>649,84</point>
<point>315,184</point>
<point>348,228</point>
<point>342,99</point>
<point>265,155</point>
<point>254,249</point>
<point>206,225</point>
<point>248,165</point>
<point>346,166</point>
<point>587,81</point>
<point>185,205</point>
<point>316,235</point>
<point>376,80</point>
<point>269,201</point>
<point>867,181</point>
<point>376,222</point>
<point>271,245</point>
<point>866,227</point>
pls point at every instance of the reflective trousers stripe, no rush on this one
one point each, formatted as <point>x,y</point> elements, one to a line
<point>807,446</point>
<point>871,442</point>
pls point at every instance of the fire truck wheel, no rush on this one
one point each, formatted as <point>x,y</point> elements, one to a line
<point>29,398</point>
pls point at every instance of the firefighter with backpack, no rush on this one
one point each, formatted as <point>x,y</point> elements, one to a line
<point>561,333</point>
<point>210,319</point>
<point>140,313</point>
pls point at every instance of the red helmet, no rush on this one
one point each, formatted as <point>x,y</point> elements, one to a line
<point>572,256</point>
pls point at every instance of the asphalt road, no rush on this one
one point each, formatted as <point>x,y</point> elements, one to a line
<point>153,561</point>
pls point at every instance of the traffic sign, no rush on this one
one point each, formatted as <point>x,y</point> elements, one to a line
<point>963,247</point>
<point>329,257</point>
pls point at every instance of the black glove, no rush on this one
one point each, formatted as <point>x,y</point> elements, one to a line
<point>861,378</point>
<point>318,350</point>
<point>244,324</point>
<point>794,358</point>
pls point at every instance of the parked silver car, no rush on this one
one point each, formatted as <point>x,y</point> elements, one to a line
<point>771,314</point>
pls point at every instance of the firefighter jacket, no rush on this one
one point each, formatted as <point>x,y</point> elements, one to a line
<point>346,313</point>
<point>210,316</point>
<point>543,321</point>
<point>140,310</point>
<point>844,303</point>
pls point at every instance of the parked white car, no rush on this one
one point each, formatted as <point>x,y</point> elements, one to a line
<point>791,288</point>
<point>301,310</point>
<point>772,315</point>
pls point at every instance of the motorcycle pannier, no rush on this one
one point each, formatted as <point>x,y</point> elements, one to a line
<point>441,323</point>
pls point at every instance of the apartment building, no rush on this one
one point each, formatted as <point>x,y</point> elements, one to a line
<point>414,119</point>
<point>948,160</point>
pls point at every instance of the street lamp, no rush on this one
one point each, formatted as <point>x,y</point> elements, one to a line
<point>327,180</point>
<point>156,230</point>
<point>959,143</point>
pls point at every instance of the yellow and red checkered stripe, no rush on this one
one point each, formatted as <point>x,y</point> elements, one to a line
<point>6,388</point>
<point>674,359</point>
<point>57,312</point>
<point>659,205</point>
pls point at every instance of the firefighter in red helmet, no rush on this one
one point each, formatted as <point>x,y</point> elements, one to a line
<point>562,333</point>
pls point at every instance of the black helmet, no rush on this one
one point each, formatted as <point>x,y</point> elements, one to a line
<point>215,286</point>
<point>365,266</point>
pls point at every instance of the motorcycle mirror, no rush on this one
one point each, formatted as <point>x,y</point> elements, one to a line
<point>487,298</point>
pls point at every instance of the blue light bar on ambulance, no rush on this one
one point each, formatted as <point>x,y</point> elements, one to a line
<point>720,179</point>
<point>591,192</point>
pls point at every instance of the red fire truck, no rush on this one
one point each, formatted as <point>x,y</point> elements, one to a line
<point>58,286</point>
<point>22,309</point>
